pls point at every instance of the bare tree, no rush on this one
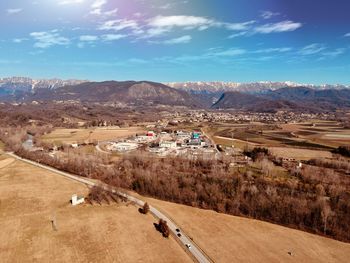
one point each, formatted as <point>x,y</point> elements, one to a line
<point>145,208</point>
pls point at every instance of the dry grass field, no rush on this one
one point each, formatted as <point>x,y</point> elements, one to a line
<point>299,154</point>
<point>84,135</point>
<point>234,239</point>
<point>31,197</point>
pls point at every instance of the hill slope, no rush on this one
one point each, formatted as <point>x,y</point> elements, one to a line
<point>228,238</point>
<point>31,197</point>
<point>289,98</point>
<point>143,93</point>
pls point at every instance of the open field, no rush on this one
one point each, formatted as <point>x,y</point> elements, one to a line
<point>301,141</point>
<point>234,239</point>
<point>299,154</point>
<point>6,162</point>
<point>325,133</point>
<point>92,134</point>
<point>31,197</point>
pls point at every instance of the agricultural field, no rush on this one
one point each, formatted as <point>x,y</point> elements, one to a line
<point>298,153</point>
<point>329,134</point>
<point>294,140</point>
<point>60,135</point>
<point>235,239</point>
<point>30,198</point>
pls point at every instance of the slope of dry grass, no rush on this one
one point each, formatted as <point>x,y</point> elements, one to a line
<point>234,239</point>
<point>31,197</point>
<point>81,135</point>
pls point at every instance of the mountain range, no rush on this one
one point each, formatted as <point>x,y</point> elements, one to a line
<point>259,96</point>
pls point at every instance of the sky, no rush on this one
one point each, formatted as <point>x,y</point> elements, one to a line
<point>305,41</point>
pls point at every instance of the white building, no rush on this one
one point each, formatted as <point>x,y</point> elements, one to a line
<point>76,200</point>
<point>122,146</point>
<point>168,144</point>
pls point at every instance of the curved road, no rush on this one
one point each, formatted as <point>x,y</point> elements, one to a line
<point>195,251</point>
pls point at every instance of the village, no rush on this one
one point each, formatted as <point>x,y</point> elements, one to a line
<point>237,116</point>
<point>165,143</point>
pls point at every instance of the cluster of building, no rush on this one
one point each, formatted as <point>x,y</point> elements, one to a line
<point>166,143</point>
<point>227,116</point>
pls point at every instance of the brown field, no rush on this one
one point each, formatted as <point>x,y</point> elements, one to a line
<point>82,135</point>
<point>235,142</point>
<point>315,135</point>
<point>30,197</point>
<point>324,133</point>
<point>234,239</point>
<point>5,162</point>
<point>299,154</point>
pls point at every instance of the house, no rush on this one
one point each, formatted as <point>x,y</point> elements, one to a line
<point>196,135</point>
<point>168,144</point>
<point>76,200</point>
<point>151,134</point>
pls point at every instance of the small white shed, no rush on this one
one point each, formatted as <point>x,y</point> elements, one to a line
<point>76,200</point>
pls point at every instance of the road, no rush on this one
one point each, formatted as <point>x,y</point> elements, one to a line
<point>195,251</point>
<point>98,148</point>
<point>217,155</point>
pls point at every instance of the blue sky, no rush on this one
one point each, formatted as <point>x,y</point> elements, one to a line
<point>177,40</point>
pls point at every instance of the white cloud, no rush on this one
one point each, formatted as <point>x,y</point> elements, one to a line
<point>98,4</point>
<point>273,50</point>
<point>268,14</point>
<point>188,22</point>
<point>229,53</point>
<point>88,38</point>
<point>239,26</point>
<point>335,53</point>
<point>347,35</point>
<point>312,49</point>
<point>48,39</point>
<point>12,11</point>
<point>179,40</point>
<point>19,40</point>
<point>283,26</point>
<point>111,12</point>
<point>240,34</point>
<point>112,37</point>
<point>96,7</point>
<point>118,25</point>
<point>162,24</point>
<point>68,2</point>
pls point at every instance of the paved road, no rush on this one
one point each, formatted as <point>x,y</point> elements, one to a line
<point>98,148</point>
<point>184,239</point>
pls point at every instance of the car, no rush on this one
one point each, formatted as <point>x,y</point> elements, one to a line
<point>177,230</point>
<point>188,246</point>
<point>179,235</point>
